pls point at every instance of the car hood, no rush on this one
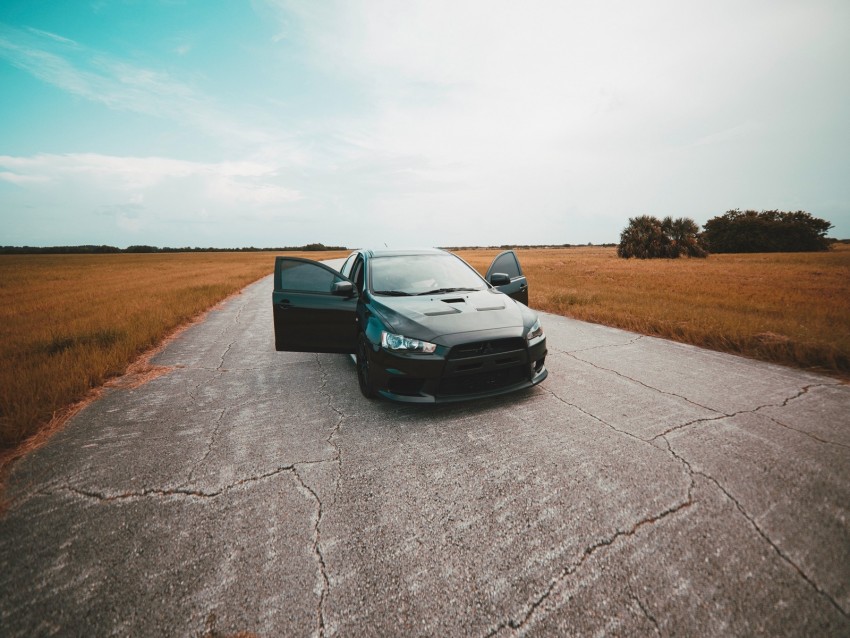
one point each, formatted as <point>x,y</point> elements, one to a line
<point>430,316</point>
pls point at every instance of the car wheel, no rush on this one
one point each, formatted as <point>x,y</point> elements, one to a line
<point>363,368</point>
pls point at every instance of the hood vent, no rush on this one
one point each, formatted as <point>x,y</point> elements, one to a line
<point>458,300</point>
<point>492,307</point>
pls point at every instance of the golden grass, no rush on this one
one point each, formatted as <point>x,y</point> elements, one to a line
<point>789,308</point>
<point>70,322</point>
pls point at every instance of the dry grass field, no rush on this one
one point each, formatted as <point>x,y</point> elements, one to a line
<point>70,322</point>
<point>790,308</point>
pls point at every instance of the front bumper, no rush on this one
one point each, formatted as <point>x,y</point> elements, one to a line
<point>494,368</point>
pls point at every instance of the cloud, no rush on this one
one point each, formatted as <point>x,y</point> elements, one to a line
<point>15,178</point>
<point>87,197</point>
<point>577,115</point>
<point>120,84</point>
<point>53,36</point>
<point>228,183</point>
<point>454,123</point>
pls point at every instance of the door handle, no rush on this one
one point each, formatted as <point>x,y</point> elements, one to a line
<point>284,304</point>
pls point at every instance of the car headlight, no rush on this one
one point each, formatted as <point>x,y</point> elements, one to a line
<point>399,343</point>
<point>535,331</point>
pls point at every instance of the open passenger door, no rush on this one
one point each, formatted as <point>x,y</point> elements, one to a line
<point>314,307</point>
<point>505,274</point>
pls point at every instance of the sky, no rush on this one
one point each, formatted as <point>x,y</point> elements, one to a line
<point>267,123</point>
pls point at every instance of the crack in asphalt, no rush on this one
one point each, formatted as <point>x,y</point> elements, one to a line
<point>167,492</point>
<point>775,547</point>
<point>808,434</point>
<point>517,625</point>
<point>759,530</point>
<point>317,552</point>
<point>317,527</point>
<point>221,332</point>
<point>720,415</point>
<point>342,416</point>
<point>536,605</point>
<point>201,383</point>
<point>223,355</point>
<point>192,395</point>
<point>644,609</point>
<point>634,436</point>
<point>210,444</point>
<point>634,339</point>
<point>593,416</point>
<point>729,415</point>
<point>645,385</point>
<point>682,426</point>
<point>692,472</point>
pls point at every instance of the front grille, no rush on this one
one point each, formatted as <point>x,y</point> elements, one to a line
<point>493,379</point>
<point>480,348</point>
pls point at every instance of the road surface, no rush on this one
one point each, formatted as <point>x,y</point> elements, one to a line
<point>645,488</point>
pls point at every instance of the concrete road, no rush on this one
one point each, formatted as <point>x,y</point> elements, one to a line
<point>644,488</point>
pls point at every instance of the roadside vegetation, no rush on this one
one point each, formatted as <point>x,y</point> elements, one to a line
<point>70,322</point>
<point>789,308</point>
<point>768,231</point>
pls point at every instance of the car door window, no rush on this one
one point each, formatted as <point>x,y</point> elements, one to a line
<point>506,263</point>
<point>306,276</point>
<point>357,275</point>
<point>346,266</point>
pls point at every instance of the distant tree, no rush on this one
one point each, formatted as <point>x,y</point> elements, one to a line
<point>57,250</point>
<point>141,249</point>
<point>643,238</point>
<point>90,249</point>
<point>648,237</point>
<point>106,249</point>
<point>766,232</point>
<point>685,236</point>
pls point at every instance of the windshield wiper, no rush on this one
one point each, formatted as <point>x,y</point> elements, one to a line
<point>441,290</point>
<point>392,293</point>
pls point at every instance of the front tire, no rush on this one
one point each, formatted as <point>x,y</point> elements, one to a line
<point>364,365</point>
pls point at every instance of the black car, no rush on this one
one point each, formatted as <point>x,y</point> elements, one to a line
<point>423,325</point>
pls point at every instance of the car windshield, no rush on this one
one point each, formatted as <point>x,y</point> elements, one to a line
<point>422,274</point>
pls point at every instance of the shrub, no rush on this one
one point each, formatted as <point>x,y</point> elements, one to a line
<point>769,231</point>
<point>648,237</point>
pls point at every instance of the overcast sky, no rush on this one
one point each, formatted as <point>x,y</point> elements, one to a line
<point>363,122</point>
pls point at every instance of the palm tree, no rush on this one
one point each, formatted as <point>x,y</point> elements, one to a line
<point>643,238</point>
<point>685,235</point>
<point>647,237</point>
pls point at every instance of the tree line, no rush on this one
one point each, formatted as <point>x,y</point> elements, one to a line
<point>750,231</point>
<point>103,249</point>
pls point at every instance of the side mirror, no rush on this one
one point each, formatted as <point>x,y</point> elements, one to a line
<point>500,279</point>
<point>343,289</point>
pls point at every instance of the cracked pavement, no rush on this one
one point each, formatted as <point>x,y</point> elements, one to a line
<point>645,488</point>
